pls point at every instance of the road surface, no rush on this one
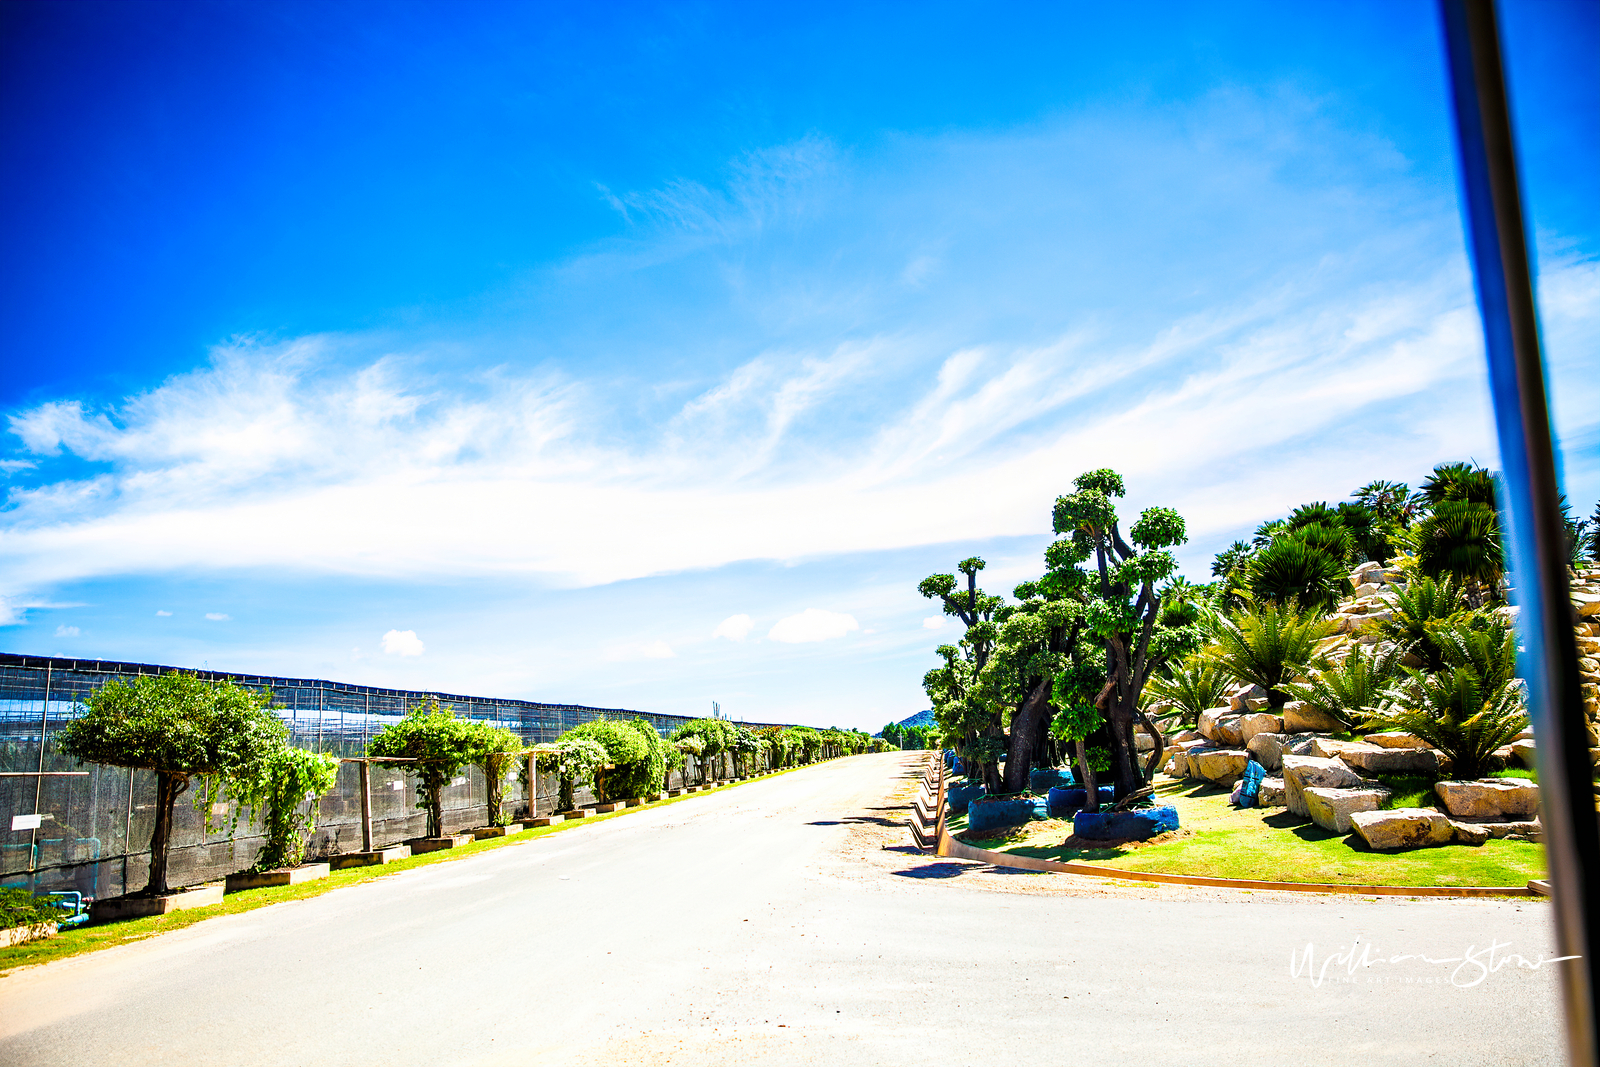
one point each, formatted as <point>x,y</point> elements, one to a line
<point>785,921</point>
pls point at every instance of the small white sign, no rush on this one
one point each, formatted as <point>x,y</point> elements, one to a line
<point>458,781</point>
<point>220,809</point>
<point>26,822</point>
<point>397,785</point>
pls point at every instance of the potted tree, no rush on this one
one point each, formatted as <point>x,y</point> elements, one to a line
<point>182,728</point>
<point>430,741</point>
<point>495,751</point>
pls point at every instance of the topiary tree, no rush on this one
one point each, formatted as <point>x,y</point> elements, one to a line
<point>644,776</point>
<point>182,728</point>
<point>1121,608</point>
<point>438,742</point>
<point>968,723</point>
<point>635,757</point>
<point>278,792</point>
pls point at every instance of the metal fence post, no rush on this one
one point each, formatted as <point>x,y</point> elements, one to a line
<point>366,805</point>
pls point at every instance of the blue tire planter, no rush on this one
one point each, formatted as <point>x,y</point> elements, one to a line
<point>1140,825</point>
<point>1064,800</point>
<point>959,794</point>
<point>1041,779</point>
<point>991,813</point>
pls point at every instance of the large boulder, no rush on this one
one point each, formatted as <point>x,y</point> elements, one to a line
<point>1185,735</point>
<point>1220,725</point>
<point>1223,766</point>
<point>1375,759</point>
<point>1489,798</point>
<point>1307,772</point>
<point>1302,718</point>
<point>1395,739</point>
<point>1177,765</point>
<point>1267,749</point>
<point>1331,808</point>
<point>1270,793</point>
<point>1246,697</point>
<point>1259,722</point>
<point>1526,752</point>
<point>1139,825</point>
<point>1402,828</point>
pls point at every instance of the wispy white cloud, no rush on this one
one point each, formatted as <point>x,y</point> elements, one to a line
<point>402,643</point>
<point>813,624</point>
<point>734,627</point>
<point>66,631</point>
<point>217,616</point>
<point>163,614</point>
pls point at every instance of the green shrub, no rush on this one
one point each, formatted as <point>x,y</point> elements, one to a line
<point>1267,645</point>
<point>635,755</point>
<point>1351,690</point>
<point>441,745</point>
<point>18,907</point>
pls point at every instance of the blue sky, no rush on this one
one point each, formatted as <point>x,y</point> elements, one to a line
<point>650,355</point>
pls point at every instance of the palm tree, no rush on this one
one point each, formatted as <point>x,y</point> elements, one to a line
<point>1468,709</point>
<point>1462,538</point>
<point>1351,690</point>
<point>1193,686</point>
<point>1390,501</point>
<point>1292,570</point>
<point>1267,645</point>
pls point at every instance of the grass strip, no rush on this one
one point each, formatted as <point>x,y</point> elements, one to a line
<point>1272,844</point>
<point>76,941</point>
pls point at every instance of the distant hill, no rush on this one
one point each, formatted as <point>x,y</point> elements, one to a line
<point>921,718</point>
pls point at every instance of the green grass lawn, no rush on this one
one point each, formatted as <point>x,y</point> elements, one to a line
<point>1271,844</point>
<point>73,942</point>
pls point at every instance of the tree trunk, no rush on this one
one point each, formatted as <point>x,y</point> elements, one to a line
<point>1027,725</point>
<point>1155,755</point>
<point>435,787</point>
<point>492,785</point>
<point>169,787</point>
<point>1091,795</point>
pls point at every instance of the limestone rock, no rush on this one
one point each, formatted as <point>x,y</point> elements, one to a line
<point>1177,764</point>
<point>1395,739</point>
<point>1331,808</point>
<point>1489,798</point>
<point>1259,722</point>
<point>1221,726</point>
<point>1374,759</point>
<point>1185,735</point>
<point>1300,718</point>
<point>1467,833</point>
<point>1220,765</point>
<point>1238,699</point>
<point>1366,590</point>
<point>1306,772</point>
<point>1402,828</point>
<point>1267,749</point>
<point>1527,752</point>
<point>1270,793</point>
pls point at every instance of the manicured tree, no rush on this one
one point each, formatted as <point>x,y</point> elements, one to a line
<point>436,744</point>
<point>495,751</point>
<point>278,792</point>
<point>1034,644</point>
<point>628,758</point>
<point>716,737</point>
<point>1267,646</point>
<point>574,761</point>
<point>970,726</point>
<point>1121,611</point>
<point>182,728</point>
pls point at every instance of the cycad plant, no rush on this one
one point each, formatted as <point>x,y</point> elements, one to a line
<point>1417,613</point>
<point>1191,687</point>
<point>1468,709</point>
<point>1267,645</point>
<point>1351,690</point>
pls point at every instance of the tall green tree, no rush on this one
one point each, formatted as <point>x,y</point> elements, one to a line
<point>182,728</point>
<point>1120,611</point>
<point>431,743</point>
<point>969,724</point>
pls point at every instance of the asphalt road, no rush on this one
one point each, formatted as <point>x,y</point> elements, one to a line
<point>783,921</point>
